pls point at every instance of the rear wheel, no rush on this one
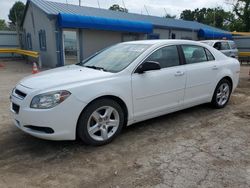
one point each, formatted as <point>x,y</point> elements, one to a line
<point>100,122</point>
<point>222,94</point>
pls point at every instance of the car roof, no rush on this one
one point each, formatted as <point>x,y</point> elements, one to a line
<point>162,42</point>
<point>216,41</point>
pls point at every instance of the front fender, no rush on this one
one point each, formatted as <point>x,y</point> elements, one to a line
<point>120,88</point>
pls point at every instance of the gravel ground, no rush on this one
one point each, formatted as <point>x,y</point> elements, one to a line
<point>197,147</point>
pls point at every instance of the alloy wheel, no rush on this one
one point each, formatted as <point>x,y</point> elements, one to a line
<point>222,94</point>
<point>103,123</point>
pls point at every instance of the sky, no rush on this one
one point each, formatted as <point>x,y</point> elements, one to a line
<point>153,7</point>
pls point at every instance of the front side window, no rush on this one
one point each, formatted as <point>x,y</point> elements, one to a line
<point>194,54</point>
<point>217,45</point>
<point>167,56</point>
<point>115,58</point>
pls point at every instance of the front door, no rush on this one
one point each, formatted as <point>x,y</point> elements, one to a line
<point>71,47</point>
<point>155,92</point>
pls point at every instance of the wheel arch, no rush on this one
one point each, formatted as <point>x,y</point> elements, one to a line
<point>112,97</point>
<point>229,79</point>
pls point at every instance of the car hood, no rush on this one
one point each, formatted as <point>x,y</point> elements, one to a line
<point>62,76</point>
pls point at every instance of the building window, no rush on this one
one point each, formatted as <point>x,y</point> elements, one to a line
<point>153,36</point>
<point>129,37</point>
<point>42,40</point>
<point>173,36</point>
<point>29,41</point>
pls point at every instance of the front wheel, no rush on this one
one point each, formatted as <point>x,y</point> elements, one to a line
<point>100,122</point>
<point>222,94</point>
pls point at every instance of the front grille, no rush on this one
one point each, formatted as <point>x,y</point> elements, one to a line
<point>15,108</point>
<point>20,93</point>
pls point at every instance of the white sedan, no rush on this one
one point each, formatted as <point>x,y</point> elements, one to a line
<point>121,85</point>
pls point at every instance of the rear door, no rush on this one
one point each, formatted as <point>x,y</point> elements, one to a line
<point>155,92</point>
<point>201,70</point>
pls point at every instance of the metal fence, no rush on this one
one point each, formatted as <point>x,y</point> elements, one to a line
<point>243,44</point>
<point>8,39</point>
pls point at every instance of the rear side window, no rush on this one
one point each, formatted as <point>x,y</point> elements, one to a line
<point>233,45</point>
<point>194,54</point>
<point>210,56</point>
<point>167,56</point>
<point>225,46</point>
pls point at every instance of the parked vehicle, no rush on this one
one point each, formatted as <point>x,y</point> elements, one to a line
<point>227,47</point>
<point>121,85</point>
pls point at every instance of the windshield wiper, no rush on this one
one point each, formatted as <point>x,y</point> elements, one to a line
<point>95,67</point>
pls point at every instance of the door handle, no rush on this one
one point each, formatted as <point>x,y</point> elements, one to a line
<point>179,73</point>
<point>215,67</point>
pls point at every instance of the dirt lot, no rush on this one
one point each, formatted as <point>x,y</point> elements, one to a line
<point>197,147</point>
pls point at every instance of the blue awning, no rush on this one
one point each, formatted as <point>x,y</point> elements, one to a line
<point>99,23</point>
<point>213,34</point>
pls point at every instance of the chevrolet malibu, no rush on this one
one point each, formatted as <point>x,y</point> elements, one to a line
<point>121,85</point>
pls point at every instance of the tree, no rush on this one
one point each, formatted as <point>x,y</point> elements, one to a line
<point>3,25</point>
<point>187,15</point>
<point>216,17</point>
<point>170,16</point>
<point>16,13</point>
<point>242,10</point>
<point>116,7</point>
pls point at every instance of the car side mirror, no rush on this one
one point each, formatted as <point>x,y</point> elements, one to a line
<point>148,66</point>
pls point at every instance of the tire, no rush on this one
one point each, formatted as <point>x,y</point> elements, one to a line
<point>221,94</point>
<point>100,122</point>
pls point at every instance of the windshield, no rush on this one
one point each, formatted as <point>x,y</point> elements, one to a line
<point>115,58</point>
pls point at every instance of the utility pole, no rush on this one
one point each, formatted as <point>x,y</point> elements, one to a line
<point>124,4</point>
<point>214,20</point>
<point>18,30</point>
<point>98,4</point>
<point>146,9</point>
<point>165,12</point>
<point>79,2</point>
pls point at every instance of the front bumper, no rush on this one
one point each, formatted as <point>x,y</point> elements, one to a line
<point>62,119</point>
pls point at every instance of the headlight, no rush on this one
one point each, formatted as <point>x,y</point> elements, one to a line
<point>49,100</point>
